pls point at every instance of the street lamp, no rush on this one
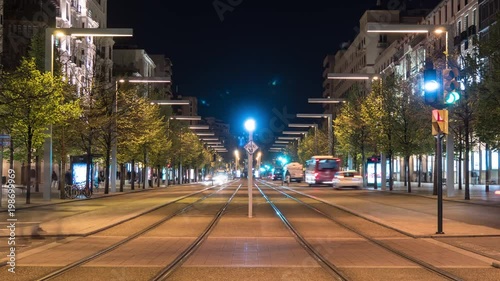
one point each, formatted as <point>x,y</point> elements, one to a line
<point>203,134</point>
<point>315,126</point>
<point>424,28</point>
<point>294,132</point>
<point>170,102</point>
<point>288,138</point>
<point>49,66</point>
<point>330,127</point>
<point>236,160</point>
<point>325,100</point>
<point>250,127</point>
<point>185,118</point>
<point>199,127</point>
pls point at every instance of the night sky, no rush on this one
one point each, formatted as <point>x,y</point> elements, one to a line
<point>259,59</point>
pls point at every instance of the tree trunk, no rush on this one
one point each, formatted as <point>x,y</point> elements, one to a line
<point>407,168</point>
<point>158,176</point>
<point>132,176</point>
<point>122,176</point>
<point>391,171</point>
<point>28,167</point>
<point>419,170</point>
<point>62,168</point>
<point>466,161</point>
<point>144,170</point>
<point>89,164</point>
<point>488,166</point>
<point>106,169</point>
<point>37,174</point>
<point>460,161</point>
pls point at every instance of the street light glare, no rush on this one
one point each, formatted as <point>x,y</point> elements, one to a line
<point>431,86</point>
<point>250,125</point>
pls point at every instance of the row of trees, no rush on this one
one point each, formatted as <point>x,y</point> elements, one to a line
<point>392,118</point>
<point>88,121</point>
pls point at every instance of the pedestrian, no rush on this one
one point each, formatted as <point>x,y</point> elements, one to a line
<point>54,179</point>
<point>68,178</point>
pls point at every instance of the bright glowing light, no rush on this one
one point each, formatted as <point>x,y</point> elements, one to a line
<point>431,86</point>
<point>250,125</point>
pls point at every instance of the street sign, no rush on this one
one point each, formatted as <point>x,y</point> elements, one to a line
<point>251,147</point>
<point>439,121</point>
<point>4,136</point>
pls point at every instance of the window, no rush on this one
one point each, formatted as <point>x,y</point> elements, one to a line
<point>466,21</point>
<point>327,164</point>
<point>474,17</point>
<point>459,27</point>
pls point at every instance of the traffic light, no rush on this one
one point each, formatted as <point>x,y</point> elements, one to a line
<point>431,87</point>
<point>451,86</point>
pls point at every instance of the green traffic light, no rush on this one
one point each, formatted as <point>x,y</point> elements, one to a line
<point>452,97</point>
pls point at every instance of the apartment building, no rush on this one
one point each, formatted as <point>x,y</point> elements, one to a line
<point>488,10</point>
<point>163,69</point>
<point>406,56</point>
<point>360,55</point>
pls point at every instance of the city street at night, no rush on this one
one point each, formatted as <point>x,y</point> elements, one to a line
<point>362,234</point>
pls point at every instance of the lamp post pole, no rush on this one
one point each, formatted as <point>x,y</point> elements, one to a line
<point>49,67</point>
<point>250,127</point>
<point>250,177</point>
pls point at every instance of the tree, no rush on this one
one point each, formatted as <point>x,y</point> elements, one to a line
<point>488,103</point>
<point>308,146</point>
<point>31,100</point>
<point>351,132</point>
<point>412,124</point>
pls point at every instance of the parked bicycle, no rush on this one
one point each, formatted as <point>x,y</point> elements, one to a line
<point>77,190</point>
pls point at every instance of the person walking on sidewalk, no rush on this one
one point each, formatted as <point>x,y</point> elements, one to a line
<point>54,179</point>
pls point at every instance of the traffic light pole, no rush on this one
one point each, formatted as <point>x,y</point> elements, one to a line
<point>439,152</point>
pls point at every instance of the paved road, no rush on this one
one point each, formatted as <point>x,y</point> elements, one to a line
<point>259,248</point>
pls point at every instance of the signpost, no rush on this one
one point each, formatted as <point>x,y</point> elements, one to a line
<point>439,129</point>
<point>250,147</point>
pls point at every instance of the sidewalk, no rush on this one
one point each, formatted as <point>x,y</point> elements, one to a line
<point>36,198</point>
<point>477,192</point>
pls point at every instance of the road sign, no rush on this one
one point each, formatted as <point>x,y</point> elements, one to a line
<point>251,147</point>
<point>439,121</point>
<point>4,136</point>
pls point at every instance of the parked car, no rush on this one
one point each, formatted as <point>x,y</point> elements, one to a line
<point>293,171</point>
<point>347,179</point>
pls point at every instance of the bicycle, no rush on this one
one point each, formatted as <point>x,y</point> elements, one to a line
<point>77,190</point>
<point>69,191</point>
<point>81,189</point>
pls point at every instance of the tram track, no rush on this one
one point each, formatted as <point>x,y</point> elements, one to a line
<point>362,233</point>
<point>61,272</point>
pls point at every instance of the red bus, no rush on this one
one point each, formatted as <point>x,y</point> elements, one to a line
<point>321,169</point>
